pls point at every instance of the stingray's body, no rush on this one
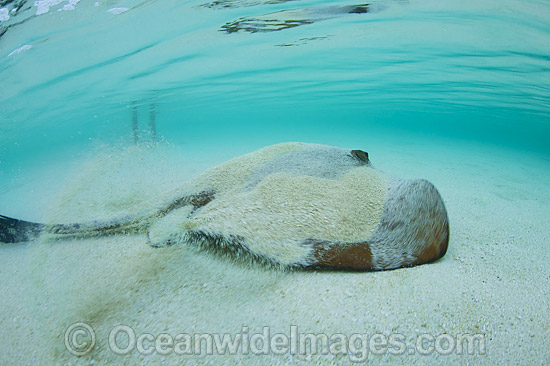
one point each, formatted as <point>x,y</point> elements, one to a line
<point>291,205</point>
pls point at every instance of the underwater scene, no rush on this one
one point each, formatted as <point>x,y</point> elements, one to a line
<point>274,182</point>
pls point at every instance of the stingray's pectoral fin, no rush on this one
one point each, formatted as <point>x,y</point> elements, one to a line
<point>232,246</point>
<point>15,231</point>
<point>413,230</point>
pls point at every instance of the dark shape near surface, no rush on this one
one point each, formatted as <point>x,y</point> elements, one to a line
<point>225,4</point>
<point>291,18</point>
<point>302,41</point>
<point>254,25</point>
<point>359,9</point>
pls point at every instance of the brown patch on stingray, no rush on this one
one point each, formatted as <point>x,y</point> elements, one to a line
<point>354,256</point>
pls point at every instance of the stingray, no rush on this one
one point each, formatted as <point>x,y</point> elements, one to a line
<point>292,205</point>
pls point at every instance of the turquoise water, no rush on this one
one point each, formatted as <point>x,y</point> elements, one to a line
<point>455,92</point>
<point>71,73</point>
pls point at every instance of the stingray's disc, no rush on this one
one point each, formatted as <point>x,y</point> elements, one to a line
<point>292,205</point>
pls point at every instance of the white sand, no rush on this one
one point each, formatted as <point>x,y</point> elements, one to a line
<point>494,279</point>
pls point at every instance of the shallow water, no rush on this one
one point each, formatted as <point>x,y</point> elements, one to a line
<point>477,70</point>
<point>457,92</point>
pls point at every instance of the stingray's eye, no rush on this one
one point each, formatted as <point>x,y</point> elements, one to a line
<point>360,155</point>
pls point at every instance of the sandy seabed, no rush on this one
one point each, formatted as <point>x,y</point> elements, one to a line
<point>493,283</point>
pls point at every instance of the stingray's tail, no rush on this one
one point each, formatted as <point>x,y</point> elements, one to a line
<point>14,230</point>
